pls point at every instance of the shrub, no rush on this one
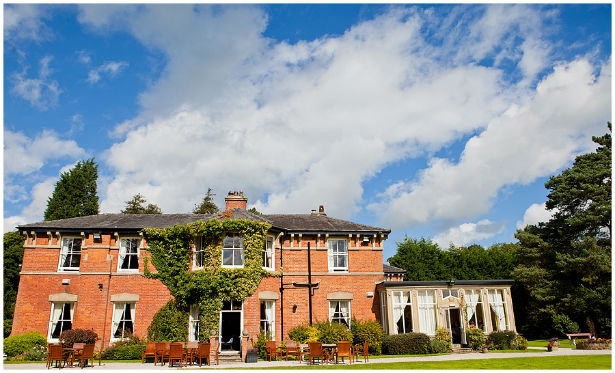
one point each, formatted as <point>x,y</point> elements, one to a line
<point>18,344</point>
<point>169,324</point>
<point>503,340</point>
<point>261,344</point>
<point>124,352</point>
<point>403,344</point>
<point>438,346</point>
<point>475,338</point>
<point>333,332</point>
<point>71,336</point>
<point>369,331</point>
<point>443,335</point>
<point>563,325</point>
<point>36,353</point>
<point>520,343</point>
<point>304,334</point>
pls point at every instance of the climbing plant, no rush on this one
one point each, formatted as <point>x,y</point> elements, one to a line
<point>171,253</point>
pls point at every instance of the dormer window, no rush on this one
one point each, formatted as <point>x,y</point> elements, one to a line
<point>232,252</point>
<point>338,255</point>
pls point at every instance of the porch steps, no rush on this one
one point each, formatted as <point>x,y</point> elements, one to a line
<point>229,357</point>
<point>457,349</point>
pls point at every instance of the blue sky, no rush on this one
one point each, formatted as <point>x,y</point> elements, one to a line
<point>436,121</point>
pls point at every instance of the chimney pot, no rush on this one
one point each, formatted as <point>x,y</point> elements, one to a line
<point>314,212</point>
<point>236,199</point>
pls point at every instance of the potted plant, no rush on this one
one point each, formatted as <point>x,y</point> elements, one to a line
<point>553,344</point>
<point>485,349</point>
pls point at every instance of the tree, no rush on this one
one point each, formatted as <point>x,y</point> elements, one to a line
<point>135,206</point>
<point>565,263</point>
<point>207,206</point>
<point>75,193</point>
<point>254,211</point>
<point>13,256</point>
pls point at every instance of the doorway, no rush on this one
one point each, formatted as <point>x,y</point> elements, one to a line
<point>454,325</point>
<point>230,326</point>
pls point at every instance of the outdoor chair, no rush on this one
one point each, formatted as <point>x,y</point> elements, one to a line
<point>150,351</point>
<point>228,343</point>
<point>359,350</point>
<point>315,352</point>
<point>343,350</point>
<point>77,350</point>
<point>162,351</point>
<point>272,349</point>
<point>176,353</point>
<point>204,353</point>
<point>55,353</point>
<point>191,348</point>
<point>86,355</point>
<point>292,349</point>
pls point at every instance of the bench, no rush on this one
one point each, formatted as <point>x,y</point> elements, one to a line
<point>571,337</point>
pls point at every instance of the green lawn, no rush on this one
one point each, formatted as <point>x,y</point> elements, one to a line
<point>554,362</point>
<point>563,343</point>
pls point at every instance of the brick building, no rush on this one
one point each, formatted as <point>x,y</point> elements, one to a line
<point>87,272</point>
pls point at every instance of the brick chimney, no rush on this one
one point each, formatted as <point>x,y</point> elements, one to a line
<point>321,210</point>
<point>236,199</point>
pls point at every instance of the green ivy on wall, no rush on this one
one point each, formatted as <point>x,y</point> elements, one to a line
<point>171,254</point>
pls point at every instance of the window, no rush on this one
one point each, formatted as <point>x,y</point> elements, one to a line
<point>339,311</point>
<point>61,319</point>
<point>232,305</point>
<point>194,324</point>
<point>232,251</point>
<point>427,311</point>
<point>338,255</point>
<point>268,262</point>
<point>129,254</point>
<point>447,293</point>
<point>70,256</point>
<point>123,320</point>
<point>384,317</point>
<point>402,312</point>
<point>268,318</point>
<point>474,309</point>
<point>497,305</point>
<point>198,255</point>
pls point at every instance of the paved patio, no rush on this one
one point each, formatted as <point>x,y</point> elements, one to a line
<point>270,364</point>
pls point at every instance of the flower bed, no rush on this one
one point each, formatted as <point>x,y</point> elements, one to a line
<point>593,344</point>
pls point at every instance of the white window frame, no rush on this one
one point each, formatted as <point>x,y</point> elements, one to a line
<point>234,250</point>
<point>65,251</point>
<point>449,293</point>
<point>482,307</point>
<point>52,323</point>
<point>333,306</point>
<point>491,293</point>
<point>269,311</point>
<point>116,321</point>
<point>428,307</point>
<point>268,253</point>
<point>122,254</point>
<point>198,250</point>
<point>194,323</point>
<point>331,255</point>
<point>402,306</point>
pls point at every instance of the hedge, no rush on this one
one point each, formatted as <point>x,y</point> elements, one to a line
<point>369,331</point>
<point>405,344</point>
<point>504,340</point>
<point>20,343</point>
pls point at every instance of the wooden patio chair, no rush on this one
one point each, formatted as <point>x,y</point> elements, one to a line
<point>272,349</point>
<point>204,353</point>
<point>55,353</point>
<point>162,351</point>
<point>150,351</point>
<point>293,349</point>
<point>359,350</point>
<point>86,355</point>
<point>316,352</point>
<point>343,350</point>
<point>176,353</point>
<point>191,350</point>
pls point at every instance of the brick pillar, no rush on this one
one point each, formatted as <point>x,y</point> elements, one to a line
<point>244,347</point>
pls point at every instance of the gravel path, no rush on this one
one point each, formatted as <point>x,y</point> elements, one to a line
<point>269,364</point>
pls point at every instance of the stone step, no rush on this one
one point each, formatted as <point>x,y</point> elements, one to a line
<point>229,357</point>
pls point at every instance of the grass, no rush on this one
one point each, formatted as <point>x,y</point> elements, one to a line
<point>554,362</point>
<point>563,343</point>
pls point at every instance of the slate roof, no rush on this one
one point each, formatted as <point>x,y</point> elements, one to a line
<point>446,283</point>
<point>136,222</point>
<point>392,270</point>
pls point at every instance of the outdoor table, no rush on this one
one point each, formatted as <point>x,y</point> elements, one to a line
<point>329,351</point>
<point>305,349</point>
<point>70,354</point>
<point>189,354</point>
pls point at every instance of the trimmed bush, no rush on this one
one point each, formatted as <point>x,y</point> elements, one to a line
<point>333,332</point>
<point>71,336</point>
<point>304,334</point>
<point>405,344</point>
<point>475,338</point>
<point>438,346</point>
<point>443,335</point>
<point>128,349</point>
<point>369,331</point>
<point>504,340</point>
<point>169,324</point>
<point>18,344</point>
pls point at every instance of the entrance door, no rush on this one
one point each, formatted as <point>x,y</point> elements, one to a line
<point>454,325</point>
<point>230,326</point>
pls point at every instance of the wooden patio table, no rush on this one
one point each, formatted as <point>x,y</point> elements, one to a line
<point>329,351</point>
<point>70,354</point>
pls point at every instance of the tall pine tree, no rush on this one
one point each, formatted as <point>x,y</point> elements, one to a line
<point>207,206</point>
<point>75,193</point>
<point>565,263</point>
<point>135,206</point>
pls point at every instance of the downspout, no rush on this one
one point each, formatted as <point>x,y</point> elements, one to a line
<point>281,287</point>
<point>310,281</point>
<point>110,258</point>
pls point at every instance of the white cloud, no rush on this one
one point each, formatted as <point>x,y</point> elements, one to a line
<point>83,57</point>
<point>298,125</point>
<point>467,233</point>
<point>110,69</point>
<point>24,155</point>
<point>528,141</point>
<point>42,92</point>
<point>35,210</point>
<point>24,21</point>
<point>536,213</point>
